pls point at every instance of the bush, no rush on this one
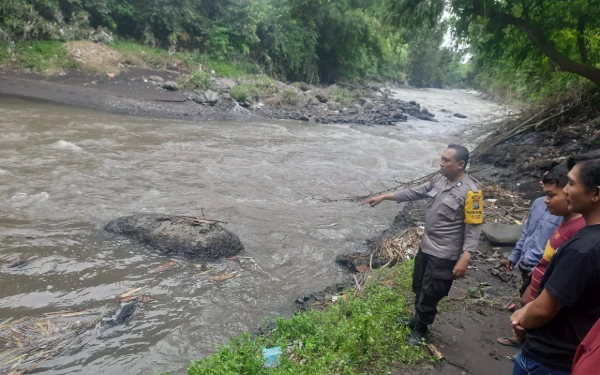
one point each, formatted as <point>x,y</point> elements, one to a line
<point>248,67</point>
<point>289,97</point>
<point>240,93</point>
<point>340,95</point>
<point>200,80</point>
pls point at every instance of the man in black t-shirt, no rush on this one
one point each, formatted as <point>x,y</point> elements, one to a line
<point>568,303</point>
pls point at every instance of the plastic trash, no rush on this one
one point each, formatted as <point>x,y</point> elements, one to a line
<point>271,356</point>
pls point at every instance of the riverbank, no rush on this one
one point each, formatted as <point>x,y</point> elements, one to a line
<point>478,308</point>
<point>147,82</point>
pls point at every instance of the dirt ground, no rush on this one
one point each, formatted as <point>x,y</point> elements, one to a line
<point>127,93</point>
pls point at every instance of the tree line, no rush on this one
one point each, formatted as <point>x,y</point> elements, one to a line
<point>299,40</point>
<point>525,47</point>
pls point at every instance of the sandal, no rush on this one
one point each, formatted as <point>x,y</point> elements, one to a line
<point>508,341</point>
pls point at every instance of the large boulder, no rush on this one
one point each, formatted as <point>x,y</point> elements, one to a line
<point>211,97</point>
<point>334,106</point>
<point>156,79</point>
<point>170,85</point>
<point>502,234</point>
<point>368,104</point>
<point>182,235</point>
<point>322,97</point>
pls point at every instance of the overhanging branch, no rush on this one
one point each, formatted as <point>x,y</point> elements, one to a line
<point>539,38</point>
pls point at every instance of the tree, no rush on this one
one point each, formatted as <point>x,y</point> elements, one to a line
<point>561,31</point>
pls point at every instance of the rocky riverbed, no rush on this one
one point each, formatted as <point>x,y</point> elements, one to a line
<point>156,93</point>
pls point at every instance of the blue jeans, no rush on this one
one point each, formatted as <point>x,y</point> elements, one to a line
<point>527,366</point>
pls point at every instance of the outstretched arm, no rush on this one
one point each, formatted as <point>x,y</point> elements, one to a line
<point>405,195</point>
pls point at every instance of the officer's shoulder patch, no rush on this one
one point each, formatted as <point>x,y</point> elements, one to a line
<point>474,208</point>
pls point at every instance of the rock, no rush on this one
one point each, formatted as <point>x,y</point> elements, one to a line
<point>357,107</point>
<point>101,36</point>
<point>304,86</point>
<point>459,115</point>
<point>311,102</point>
<point>211,97</point>
<point>361,101</point>
<point>199,98</point>
<point>412,102</point>
<point>426,112</point>
<point>538,165</point>
<point>303,118</point>
<point>349,111</point>
<point>503,202</point>
<point>170,85</point>
<point>530,189</point>
<point>181,235</point>
<point>445,110</point>
<point>502,234</point>
<point>368,104</point>
<point>422,116</point>
<point>322,97</point>
<point>398,115</point>
<point>123,314</point>
<point>155,79</point>
<point>334,106</point>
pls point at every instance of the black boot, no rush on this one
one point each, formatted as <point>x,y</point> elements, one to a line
<point>419,333</point>
<point>405,321</point>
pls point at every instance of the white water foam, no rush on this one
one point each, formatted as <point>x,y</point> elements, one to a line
<point>64,145</point>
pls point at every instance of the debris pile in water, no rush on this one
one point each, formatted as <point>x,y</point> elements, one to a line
<point>28,342</point>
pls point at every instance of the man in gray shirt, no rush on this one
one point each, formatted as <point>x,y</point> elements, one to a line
<point>452,229</point>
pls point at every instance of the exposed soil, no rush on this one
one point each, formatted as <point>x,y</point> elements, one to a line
<point>127,93</point>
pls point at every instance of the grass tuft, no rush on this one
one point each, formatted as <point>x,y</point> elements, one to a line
<point>200,80</point>
<point>341,95</point>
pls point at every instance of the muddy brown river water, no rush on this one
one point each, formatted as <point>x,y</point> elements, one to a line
<point>67,171</point>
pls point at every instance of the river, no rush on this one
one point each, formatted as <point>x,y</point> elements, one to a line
<point>67,171</point>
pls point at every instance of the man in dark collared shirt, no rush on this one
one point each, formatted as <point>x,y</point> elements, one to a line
<point>452,229</point>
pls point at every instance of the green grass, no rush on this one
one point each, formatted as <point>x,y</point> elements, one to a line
<point>255,87</point>
<point>197,80</point>
<point>240,92</point>
<point>356,335</point>
<point>340,95</point>
<point>40,56</point>
<point>157,58</point>
<point>289,97</point>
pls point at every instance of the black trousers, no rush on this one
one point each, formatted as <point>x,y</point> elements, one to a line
<point>432,280</point>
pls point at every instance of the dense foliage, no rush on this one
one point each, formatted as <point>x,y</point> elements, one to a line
<point>527,47</point>
<point>299,40</point>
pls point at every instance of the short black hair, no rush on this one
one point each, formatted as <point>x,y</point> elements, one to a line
<point>589,174</point>
<point>462,153</point>
<point>557,175</point>
<point>583,157</point>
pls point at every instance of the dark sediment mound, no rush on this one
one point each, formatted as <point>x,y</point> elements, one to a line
<point>523,148</point>
<point>188,236</point>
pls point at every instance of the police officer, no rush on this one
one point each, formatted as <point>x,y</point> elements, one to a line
<point>452,229</point>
